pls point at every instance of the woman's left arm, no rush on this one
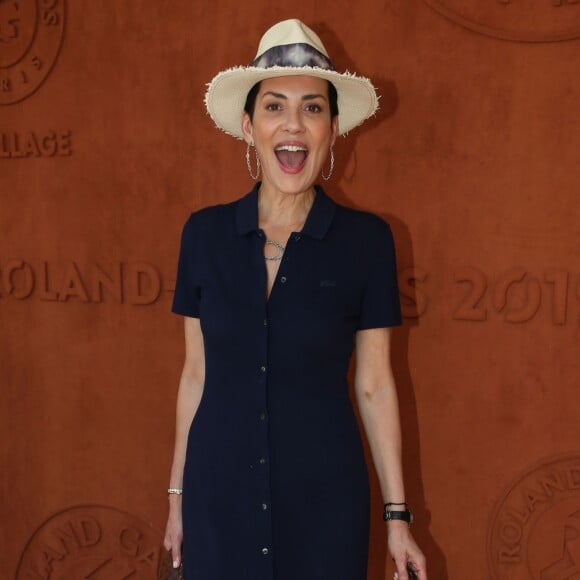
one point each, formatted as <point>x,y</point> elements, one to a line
<point>376,395</point>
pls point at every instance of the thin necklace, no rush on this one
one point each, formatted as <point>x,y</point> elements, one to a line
<point>280,249</point>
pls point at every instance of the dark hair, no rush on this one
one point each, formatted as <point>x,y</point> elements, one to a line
<point>251,100</point>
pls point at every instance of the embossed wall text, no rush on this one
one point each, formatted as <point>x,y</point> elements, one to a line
<point>94,542</point>
<point>514,296</point>
<point>28,144</point>
<point>515,20</point>
<point>137,283</point>
<point>414,300</point>
<point>536,525</point>
<point>31,34</point>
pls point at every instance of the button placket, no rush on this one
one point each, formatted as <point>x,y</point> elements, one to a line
<point>283,275</point>
<point>260,461</point>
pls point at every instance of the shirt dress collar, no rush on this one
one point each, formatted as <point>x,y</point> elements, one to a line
<point>317,223</point>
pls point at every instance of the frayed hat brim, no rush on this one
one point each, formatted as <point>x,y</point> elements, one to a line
<point>227,92</point>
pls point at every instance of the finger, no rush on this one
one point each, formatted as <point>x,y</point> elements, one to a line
<point>175,555</point>
<point>401,570</point>
<point>167,543</point>
<point>420,568</point>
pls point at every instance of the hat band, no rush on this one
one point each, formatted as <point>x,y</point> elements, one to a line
<point>293,55</point>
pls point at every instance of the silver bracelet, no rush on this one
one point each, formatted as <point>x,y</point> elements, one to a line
<point>175,490</point>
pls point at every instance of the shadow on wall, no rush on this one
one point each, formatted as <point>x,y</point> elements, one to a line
<point>436,562</point>
<point>346,160</point>
<point>415,491</point>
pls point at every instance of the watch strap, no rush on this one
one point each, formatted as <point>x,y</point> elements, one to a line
<point>405,516</point>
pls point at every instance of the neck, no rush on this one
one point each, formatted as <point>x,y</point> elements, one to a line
<point>283,209</point>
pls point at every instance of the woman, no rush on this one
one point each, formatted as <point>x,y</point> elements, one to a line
<point>268,478</point>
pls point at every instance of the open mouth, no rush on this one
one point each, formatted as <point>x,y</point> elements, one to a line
<point>291,157</point>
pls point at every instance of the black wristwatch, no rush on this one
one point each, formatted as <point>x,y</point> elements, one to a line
<point>405,516</point>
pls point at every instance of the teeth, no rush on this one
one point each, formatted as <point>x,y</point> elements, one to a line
<point>292,148</point>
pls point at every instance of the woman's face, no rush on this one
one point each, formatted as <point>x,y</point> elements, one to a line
<point>291,130</point>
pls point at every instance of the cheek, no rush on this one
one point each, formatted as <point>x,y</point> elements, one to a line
<point>323,131</point>
<point>323,140</point>
<point>263,131</point>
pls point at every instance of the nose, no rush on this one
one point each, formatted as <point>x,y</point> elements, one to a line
<point>293,121</point>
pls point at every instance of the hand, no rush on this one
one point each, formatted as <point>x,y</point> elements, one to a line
<point>405,551</point>
<point>174,531</point>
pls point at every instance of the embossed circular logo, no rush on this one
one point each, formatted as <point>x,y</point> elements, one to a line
<point>535,530</point>
<point>517,20</point>
<point>96,542</point>
<point>31,33</point>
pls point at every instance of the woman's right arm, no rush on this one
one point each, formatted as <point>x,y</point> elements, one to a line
<point>188,398</point>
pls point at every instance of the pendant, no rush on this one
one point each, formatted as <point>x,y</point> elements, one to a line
<point>279,247</point>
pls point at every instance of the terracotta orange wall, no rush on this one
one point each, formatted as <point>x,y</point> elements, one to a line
<point>105,148</point>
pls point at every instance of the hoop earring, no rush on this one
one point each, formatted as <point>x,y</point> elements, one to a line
<point>249,164</point>
<point>327,177</point>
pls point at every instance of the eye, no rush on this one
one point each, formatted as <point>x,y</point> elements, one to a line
<point>273,106</point>
<point>313,108</point>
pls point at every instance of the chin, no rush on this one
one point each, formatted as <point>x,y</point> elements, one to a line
<point>291,183</point>
<point>295,185</point>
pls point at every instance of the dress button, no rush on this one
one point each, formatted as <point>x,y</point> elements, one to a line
<point>262,416</point>
<point>262,460</point>
<point>265,551</point>
<point>283,279</point>
<point>263,369</point>
<point>265,322</point>
<point>264,506</point>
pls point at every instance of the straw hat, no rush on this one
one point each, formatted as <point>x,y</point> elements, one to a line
<point>288,48</point>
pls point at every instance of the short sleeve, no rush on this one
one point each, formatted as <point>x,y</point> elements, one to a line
<point>186,300</point>
<point>380,305</point>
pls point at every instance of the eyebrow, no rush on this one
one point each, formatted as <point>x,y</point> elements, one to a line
<point>308,97</point>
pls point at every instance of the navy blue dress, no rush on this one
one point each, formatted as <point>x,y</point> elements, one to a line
<point>275,482</point>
